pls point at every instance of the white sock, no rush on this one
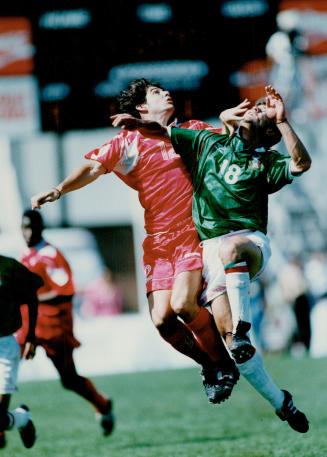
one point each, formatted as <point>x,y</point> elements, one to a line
<point>238,291</point>
<point>20,416</point>
<point>255,373</point>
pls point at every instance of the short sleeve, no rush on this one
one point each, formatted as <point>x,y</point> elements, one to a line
<point>279,173</point>
<point>108,155</point>
<point>189,144</point>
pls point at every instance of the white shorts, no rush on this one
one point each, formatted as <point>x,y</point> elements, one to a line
<point>9,363</point>
<point>213,269</point>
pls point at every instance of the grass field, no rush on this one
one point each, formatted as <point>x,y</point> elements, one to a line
<point>165,413</point>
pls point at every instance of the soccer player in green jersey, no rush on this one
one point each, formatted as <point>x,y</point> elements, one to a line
<point>232,179</point>
<point>18,286</point>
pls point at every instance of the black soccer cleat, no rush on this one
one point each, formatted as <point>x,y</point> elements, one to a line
<point>28,432</point>
<point>107,420</point>
<point>241,347</point>
<point>219,382</point>
<point>3,441</point>
<point>295,418</point>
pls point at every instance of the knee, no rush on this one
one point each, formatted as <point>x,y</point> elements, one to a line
<point>162,321</point>
<point>230,251</point>
<point>184,305</point>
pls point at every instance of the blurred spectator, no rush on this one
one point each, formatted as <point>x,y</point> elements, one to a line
<point>102,297</point>
<point>296,293</point>
<point>316,272</point>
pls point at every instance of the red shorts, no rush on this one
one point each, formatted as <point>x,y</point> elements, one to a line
<point>166,254</point>
<point>54,328</point>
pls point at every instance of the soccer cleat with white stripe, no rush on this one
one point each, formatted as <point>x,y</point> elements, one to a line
<point>295,418</point>
<point>241,347</point>
<point>28,432</point>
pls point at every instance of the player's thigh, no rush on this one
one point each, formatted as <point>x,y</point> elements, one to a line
<point>213,272</point>
<point>61,355</point>
<point>186,288</point>
<point>241,247</point>
<point>262,242</point>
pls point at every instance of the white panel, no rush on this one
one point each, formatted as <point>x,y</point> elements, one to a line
<point>37,171</point>
<point>106,201</point>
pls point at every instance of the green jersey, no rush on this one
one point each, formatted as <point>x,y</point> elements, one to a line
<point>18,285</point>
<point>231,181</point>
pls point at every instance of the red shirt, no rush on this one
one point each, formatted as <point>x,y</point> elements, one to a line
<point>155,171</point>
<point>49,263</point>
<point>55,320</point>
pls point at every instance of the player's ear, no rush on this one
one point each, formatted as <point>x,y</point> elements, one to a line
<point>142,108</point>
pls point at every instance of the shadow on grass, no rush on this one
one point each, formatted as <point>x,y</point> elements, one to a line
<point>196,439</point>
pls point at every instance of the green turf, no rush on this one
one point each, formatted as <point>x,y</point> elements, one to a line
<point>165,413</point>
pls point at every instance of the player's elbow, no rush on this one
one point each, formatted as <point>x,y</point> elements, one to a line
<point>305,165</point>
<point>95,169</point>
<point>301,166</point>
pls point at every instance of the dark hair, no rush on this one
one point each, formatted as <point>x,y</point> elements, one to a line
<point>35,217</point>
<point>134,95</point>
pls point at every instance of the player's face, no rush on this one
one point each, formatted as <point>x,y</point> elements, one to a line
<point>31,234</point>
<point>159,101</point>
<point>255,114</point>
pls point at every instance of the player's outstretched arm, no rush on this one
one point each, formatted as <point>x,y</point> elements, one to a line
<point>146,127</point>
<point>301,160</point>
<point>231,117</point>
<point>79,178</point>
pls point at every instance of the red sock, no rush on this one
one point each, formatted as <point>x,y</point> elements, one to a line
<point>207,335</point>
<point>183,340</point>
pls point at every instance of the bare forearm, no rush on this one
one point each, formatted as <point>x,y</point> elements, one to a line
<point>301,160</point>
<point>80,177</point>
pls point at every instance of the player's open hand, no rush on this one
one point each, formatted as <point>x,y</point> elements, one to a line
<point>124,121</point>
<point>44,197</point>
<point>275,108</point>
<point>230,117</point>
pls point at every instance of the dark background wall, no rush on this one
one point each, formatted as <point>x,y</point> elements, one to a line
<point>222,33</point>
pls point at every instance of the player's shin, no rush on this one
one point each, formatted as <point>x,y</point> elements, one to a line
<point>207,335</point>
<point>238,291</point>
<point>255,373</point>
<point>182,339</point>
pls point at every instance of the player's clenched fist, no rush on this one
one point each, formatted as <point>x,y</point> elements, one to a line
<point>44,197</point>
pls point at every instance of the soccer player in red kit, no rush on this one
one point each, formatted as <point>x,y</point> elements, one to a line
<point>54,326</point>
<point>172,254</point>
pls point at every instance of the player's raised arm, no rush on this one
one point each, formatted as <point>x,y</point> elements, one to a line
<point>230,117</point>
<point>80,177</point>
<point>301,160</point>
<point>146,127</point>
